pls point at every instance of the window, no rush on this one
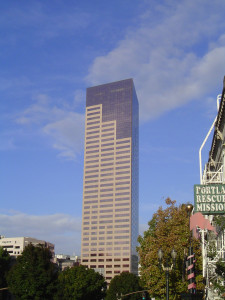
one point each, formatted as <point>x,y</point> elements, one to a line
<point>107,124</point>
<point>105,216</point>
<point>122,215</point>
<point>92,151</point>
<point>92,123</point>
<point>107,140</point>
<point>122,152</point>
<point>106,190</point>
<point>122,142</point>
<point>107,164</point>
<point>92,132</point>
<point>93,118</point>
<point>107,159</point>
<point>119,162</point>
<point>123,204</point>
<point>120,237</point>
<point>108,129</point>
<point>93,113</point>
<point>122,147</point>
<point>107,169</point>
<point>107,149</point>
<point>106,205</point>
<point>106,195</point>
<point>121,194</point>
<point>106,184</point>
<point>92,127</point>
<point>107,144</point>
<point>119,157</point>
<point>106,211</point>
<point>92,137</point>
<point>106,174</point>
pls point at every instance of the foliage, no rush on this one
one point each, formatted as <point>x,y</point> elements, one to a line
<point>80,283</point>
<point>219,221</point>
<point>168,229</point>
<point>219,278</point>
<point>4,266</point>
<point>5,261</point>
<point>122,284</point>
<point>34,275</point>
<point>211,248</point>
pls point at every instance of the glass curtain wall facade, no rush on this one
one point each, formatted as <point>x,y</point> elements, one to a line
<point>111,174</point>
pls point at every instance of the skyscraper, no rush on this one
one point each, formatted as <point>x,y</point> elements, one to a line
<point>111,174</point>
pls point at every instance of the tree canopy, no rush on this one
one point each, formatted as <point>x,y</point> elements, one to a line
<point>123,284</point>
<point>5,261</point>
<point>4,266</point>
<point>34,275</point>
<point>168,229</point>
<point>80,283</point>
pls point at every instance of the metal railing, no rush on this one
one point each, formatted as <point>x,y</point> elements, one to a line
<point>212,177</point>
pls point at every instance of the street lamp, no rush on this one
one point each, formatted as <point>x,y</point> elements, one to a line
<point>167,268</point>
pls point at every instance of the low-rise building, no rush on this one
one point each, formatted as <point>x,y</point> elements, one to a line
<point>16,245</point>
<point>66,261</point>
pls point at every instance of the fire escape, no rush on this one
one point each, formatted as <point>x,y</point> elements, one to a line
<point>213,173</point>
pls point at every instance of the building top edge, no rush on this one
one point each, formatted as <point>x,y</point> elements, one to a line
<point>109,83</point>
<point>221,113</point>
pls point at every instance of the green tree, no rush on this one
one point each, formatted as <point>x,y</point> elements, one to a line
<point>34,275</point>
<point>168,230</point>
<point>80,283</point>
<point>123,284</point>
<point>4,268</point>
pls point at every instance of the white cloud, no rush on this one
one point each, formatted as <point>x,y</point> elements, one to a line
<point>57,121</point>
<point>60,229</point>
<point>165,58</point>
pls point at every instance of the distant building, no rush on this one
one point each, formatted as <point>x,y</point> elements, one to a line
<point>16,245</point>
<point>66,261</point>
<point>111,173</point>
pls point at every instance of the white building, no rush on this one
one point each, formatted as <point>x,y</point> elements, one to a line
<point>212,181</point>
<point>16,245</point>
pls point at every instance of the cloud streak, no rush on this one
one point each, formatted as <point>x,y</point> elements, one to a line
<point>63,127</point>
<point>164,58</point>
<point>60,229</point>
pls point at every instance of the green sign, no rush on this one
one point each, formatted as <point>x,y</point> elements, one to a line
<point>210,199</point>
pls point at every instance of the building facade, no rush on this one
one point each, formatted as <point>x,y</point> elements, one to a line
<point>111,175</point>
<point>212,181</point>
<point>16,245</point>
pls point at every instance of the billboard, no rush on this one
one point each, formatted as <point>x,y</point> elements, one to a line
<point>209,199</point>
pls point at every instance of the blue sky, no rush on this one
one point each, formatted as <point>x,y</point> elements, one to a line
<point>51,51</point>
